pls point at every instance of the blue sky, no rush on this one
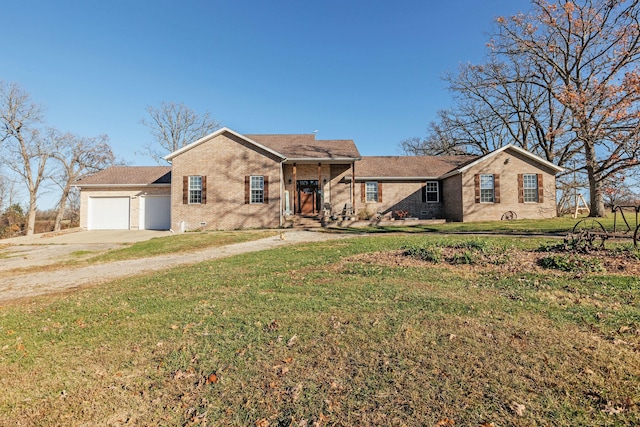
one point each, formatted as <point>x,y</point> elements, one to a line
<point>363,70</point>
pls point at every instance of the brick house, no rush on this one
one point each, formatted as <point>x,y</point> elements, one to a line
<point>227,180</point>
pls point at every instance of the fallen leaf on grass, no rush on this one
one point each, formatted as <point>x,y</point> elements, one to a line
<point>295,392</point>
<point>281,370</point>
<point>273,326</point>
<point>263,422</point>
<point>517,408</point>
<point>613,409</point>
<point>445,422</point>
<point>322,419</point>
<point>292,340</point>
<point>212,379</point>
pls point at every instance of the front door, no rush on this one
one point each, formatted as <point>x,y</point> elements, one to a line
<point>307,196</point>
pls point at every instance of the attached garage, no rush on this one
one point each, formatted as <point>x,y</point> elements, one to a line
<point>155,212</point>
<point>126,198</point>
<point>108,213</point>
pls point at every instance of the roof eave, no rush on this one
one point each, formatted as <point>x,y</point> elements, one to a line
<point>494,153</point>
<point>120,185</point>
<point>524,152</point>
<point>217,133</point>
<point>395,178</point>
<point>452,173</point>
<point>322,159</point>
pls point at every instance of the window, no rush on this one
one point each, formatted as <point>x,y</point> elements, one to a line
<point>486,189</point>
<point>530,187</point>
<point>371,191</point>
<point>431,191</point>
<point>195,189</point>
<point>257,189</point>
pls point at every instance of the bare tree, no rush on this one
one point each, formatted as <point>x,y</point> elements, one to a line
<point>73,205</point>
<point>26,149</point>
<point>77,157</point>
<point>173,126</point>
<point>8,193</point>
<point>586,57</point>
<point>448,136</point>
<point>496,106</point>
<point>562,81</point>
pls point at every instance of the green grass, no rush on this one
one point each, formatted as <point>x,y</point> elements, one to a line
<point>182,243</point>
<point>186,242</point>
<point>530,226</point>
<point>318,333</point>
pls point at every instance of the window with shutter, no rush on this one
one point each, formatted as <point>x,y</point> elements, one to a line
<point>530,188</point>
<point>194,185</point>
<point>371,192</point>
<point>487,188</point>
<point>256,189</point>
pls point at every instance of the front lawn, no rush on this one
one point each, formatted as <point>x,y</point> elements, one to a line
<point>363,331</point>
<point>520,226</point>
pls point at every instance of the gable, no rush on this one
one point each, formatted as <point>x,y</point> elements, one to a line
<point>306,147</point>
<point>217,133</point>
<point>292,147</point>
<point>511,149</point>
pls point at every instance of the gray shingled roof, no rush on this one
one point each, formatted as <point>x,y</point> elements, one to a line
<point>129,175</point>
<point>408,166</point>
<point>305,146</point>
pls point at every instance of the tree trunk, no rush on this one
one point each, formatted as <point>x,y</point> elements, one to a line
<point>596,200</point>
<point>31,217</point>
<point>62,207</point>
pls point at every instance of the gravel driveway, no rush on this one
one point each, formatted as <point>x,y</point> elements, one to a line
<point>40,251</point>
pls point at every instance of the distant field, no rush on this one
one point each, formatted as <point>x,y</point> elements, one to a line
<point>415,330</point>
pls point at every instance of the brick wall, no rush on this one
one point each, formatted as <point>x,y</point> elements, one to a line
<point>452,198</point>
<point>225,161</point>
<point>400,196</point>
<point>340,189</point>
<point>508,164</point>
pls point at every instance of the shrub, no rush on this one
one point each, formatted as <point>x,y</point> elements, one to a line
<point>465,257</point>
<point>473,244</point>
<point>572,263</point>
<point>549,247</point>
<point>425,253</point>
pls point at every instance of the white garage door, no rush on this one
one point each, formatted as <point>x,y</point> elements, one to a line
<point>108,213</point>
<point>155,212</point>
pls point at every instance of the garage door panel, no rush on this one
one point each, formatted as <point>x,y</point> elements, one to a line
<point>156,213</point>
<point>108,213</point>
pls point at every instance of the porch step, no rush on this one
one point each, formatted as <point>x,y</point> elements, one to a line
<point>307,222</point>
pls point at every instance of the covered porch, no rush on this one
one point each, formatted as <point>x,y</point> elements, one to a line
<point>313,188</point>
